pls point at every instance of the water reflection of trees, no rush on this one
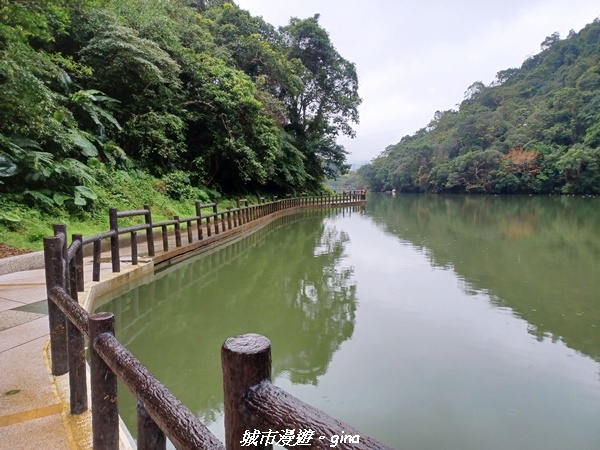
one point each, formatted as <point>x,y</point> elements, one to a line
<point>286,281</point>
<point>539,256</point>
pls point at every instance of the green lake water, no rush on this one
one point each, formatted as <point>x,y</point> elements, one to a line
<point>427,322</point>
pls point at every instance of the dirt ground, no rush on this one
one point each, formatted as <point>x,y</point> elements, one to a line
<point>7,251</point>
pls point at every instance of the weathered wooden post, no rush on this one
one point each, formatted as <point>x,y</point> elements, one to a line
<point>149,435</point>
<point>96,261</point>
<point>188,226</point>
<point>149,231</point>
<point>114,240</point>
<point>215,212</point>
<point>239,205</point>
<point>54,265</point>
<point>71,286</point>
<point>77,370</point>
<point>208,231</point>
<point>75,338</point>
<point>79,261</point>
<point>229,218</point>
<point>199,221</point>
<point>105,413</point>
<point>177,231</point>
<point>165,237</point>
<point>246,361</point>
<point>60,231</point>
<point>134,248</point>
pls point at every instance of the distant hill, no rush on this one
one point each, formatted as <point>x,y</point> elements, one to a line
<point>535,129</point>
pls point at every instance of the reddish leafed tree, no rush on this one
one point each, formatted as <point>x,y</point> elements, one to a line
<point>521,161</point>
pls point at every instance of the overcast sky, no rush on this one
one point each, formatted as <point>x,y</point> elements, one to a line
<point>416,57</point>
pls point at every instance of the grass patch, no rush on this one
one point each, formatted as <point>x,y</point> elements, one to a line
<point>24,225</point>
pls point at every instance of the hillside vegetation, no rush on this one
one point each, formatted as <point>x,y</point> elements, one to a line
<point>192,99</point>
<point>535,129</point>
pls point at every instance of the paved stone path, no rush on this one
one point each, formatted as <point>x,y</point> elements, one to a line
<point>30,408</point>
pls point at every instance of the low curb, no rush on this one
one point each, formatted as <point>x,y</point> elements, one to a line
<point>28,261</point>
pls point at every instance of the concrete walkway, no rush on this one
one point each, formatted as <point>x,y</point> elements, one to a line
<point>31,411</point>
<point>34,404</point>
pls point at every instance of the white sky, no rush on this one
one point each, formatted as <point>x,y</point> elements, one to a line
<point>414,58</point>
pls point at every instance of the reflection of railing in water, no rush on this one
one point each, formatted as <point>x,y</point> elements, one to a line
<point>180,279</point>
<point>160,413</point>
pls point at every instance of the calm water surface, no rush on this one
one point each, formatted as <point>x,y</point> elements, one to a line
<point>428,322</point>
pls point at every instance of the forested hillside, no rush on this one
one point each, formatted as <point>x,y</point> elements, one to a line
<point>198,94</point>
<point>535,129</point>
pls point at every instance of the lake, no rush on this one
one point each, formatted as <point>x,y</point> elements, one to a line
<point>427,322</point>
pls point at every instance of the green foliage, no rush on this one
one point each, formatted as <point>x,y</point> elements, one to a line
<point>24,226</point>
<point>534,130</point>
<point>328,104</point>
<point>201,94</point>
<point>177,185</point>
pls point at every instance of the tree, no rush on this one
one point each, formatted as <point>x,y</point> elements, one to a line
<point>47,130</point>
<point>535,129</point>
<point>519,169</point>
<point>328,104</point>
<point>580,169</point>
<point>550,40</point>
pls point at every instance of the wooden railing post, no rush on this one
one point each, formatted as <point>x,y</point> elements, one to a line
<point>60,230</point>
<point>79,262</point>
<point>149,435</point>
<point>105,414</point>
<point>134,248</point>
<point>75,338</point>
<point>208,230</point>
<point>246,361</point>
<point>54,265</point>
<point>239,211</point>
<point>77,370</point>
<point>215,211</point>
<point>177,231</point>
<point>114,240</point>
<point>188,228</point>
<point>96,260</point>
<point>199,221</point>
<point>149,231</point>
<point>165,238</point>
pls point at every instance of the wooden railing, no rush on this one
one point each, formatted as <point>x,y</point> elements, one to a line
<point>160,413</point>
<point>252,403</point>
<point>203,224</point>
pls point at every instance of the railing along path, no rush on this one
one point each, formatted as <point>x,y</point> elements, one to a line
<point>252,403</point>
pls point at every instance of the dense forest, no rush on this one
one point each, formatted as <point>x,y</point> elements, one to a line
<point>198,94</point>
<point>535,129</point>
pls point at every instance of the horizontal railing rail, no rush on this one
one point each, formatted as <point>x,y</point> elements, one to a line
<point>254,407</point>
<point>160,413</point>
